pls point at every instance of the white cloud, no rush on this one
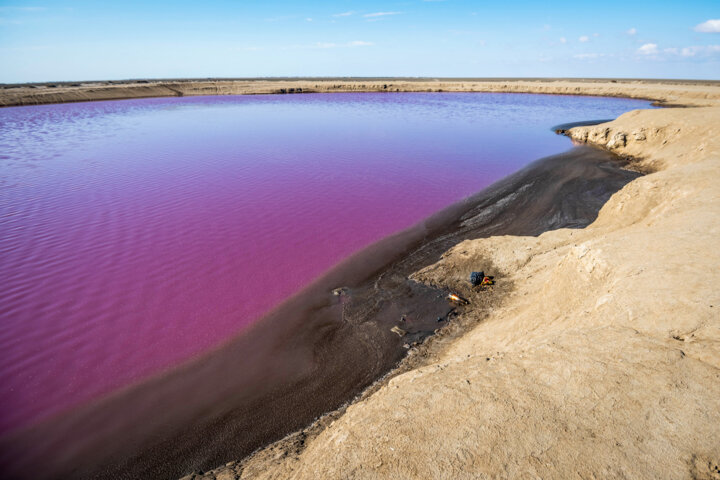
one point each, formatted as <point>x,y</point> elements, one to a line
<point>632,31</point>
<point>584,39</point>
<point>380,14</point>
<point>344,14</point>
<point>589,56</point>
<point>710,26</point>
<point>308,19</point>
<point>563,40</point>
<point>648,49</point>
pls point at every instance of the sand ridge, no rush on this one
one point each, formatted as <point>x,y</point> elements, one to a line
<point>687,93</point>
<point>604,362</point>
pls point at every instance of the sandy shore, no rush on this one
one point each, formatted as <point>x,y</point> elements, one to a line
<point>667,92</point>
<point>604,360</point>
<point>600,358</point>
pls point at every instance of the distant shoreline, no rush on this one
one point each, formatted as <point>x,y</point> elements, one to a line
<point>664,92</point>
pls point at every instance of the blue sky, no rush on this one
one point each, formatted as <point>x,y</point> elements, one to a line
<point>84,40</point>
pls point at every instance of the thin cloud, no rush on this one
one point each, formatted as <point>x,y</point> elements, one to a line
<point>563,40</point>
<point>355,43</point>
<point>380,14</point>
<point>22,9</point>
<point>710,26</point>
<point>695,51</point>
<point>345,14</point>
<point>584,39</point>
<point>466,33</point>
<point>27,48</point>
<point>280,18</point>
<point>648,49</point>
<point>704,50</point>
<point>589,56</point>
<point>631,31</point>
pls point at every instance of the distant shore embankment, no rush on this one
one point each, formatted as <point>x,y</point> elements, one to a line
<point>665,92</point>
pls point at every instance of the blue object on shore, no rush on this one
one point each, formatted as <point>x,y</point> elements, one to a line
<point>476,278</point>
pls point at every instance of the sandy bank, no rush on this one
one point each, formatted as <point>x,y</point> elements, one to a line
<point>604,360</point>
<point>695,93</point>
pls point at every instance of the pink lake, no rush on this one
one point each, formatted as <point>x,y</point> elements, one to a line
<point>137,234</point>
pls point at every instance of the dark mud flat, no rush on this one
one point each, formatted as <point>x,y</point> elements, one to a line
<point>314,352</point>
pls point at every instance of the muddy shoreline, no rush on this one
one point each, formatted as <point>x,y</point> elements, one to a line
<point>316,351</point>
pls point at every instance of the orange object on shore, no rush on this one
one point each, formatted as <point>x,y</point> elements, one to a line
<point>454,297</point>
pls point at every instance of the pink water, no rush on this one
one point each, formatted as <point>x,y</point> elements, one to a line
<point>137,234</point>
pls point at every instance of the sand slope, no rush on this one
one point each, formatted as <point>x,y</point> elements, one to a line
<point>604,362</point>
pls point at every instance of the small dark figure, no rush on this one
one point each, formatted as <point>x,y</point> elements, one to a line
<point>476,278</point>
